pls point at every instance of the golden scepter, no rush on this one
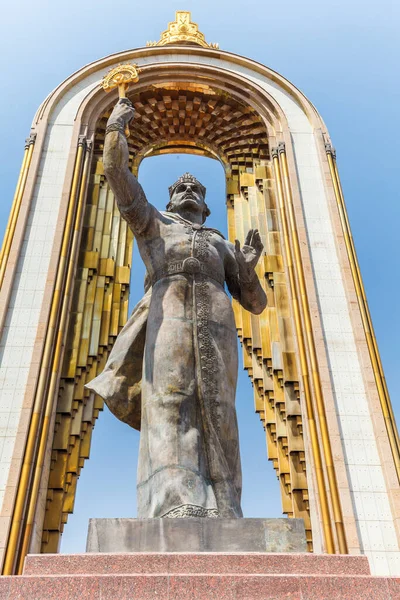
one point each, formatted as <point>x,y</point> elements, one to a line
<point>121,77</point>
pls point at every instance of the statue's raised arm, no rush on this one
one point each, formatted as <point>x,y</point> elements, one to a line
<point>131,199</point>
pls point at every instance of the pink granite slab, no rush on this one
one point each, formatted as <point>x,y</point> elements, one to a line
<point>394,588</point>
<point>55,588</point>
<point>139,587</point>
<point>345,588</point>
<point>199,587</point>
<point>5,588</point>
<point>274,587</point>
<point>210,587</point>
<point>212,563</point>
<point>261,564</point>
<point>92,564</point>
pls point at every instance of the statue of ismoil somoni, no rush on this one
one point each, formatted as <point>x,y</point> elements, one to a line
<point>173,369</point>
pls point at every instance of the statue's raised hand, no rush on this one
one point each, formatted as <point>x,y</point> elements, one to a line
<point>247,257</point>
<point>123,113</point>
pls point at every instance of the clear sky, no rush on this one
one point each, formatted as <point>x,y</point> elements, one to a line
<point>343,55</point>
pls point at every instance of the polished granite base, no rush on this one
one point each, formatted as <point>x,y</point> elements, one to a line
<point>198,576</point>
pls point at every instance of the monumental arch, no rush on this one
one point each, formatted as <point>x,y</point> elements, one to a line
<point>319,387</point>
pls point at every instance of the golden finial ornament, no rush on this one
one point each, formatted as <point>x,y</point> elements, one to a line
<point>182,31</point>
<point>120,77</point>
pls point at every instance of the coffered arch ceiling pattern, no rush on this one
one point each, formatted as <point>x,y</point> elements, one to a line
<point>182,117</point>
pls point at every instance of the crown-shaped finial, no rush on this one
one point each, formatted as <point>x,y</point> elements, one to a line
<point>186,178</point>
<point>182,31</point>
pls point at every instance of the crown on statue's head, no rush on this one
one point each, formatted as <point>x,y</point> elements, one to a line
<point>186,178</point>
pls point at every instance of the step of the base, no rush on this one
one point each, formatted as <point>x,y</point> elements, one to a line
<point>199,587</point>
<point>211,563</point>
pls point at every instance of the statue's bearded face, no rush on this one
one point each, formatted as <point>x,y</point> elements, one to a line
<point>188,196</point>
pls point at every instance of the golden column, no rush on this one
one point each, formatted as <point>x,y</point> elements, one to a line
<point>16,205</point>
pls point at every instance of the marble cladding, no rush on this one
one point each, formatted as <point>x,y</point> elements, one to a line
<point>368,488</point>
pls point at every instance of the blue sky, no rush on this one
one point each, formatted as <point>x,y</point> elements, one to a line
<point>343,55</point>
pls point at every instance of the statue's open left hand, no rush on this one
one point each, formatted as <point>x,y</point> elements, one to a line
<point>247,257</point>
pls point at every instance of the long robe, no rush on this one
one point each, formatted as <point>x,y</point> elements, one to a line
<point>189,462</point>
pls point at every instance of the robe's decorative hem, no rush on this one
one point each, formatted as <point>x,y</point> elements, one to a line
<point>208,357</point>
<point>191,511</point>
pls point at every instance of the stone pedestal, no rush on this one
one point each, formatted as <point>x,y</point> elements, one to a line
<point>196,535</point>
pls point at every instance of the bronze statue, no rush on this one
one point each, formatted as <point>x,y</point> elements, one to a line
<point>172,372</point>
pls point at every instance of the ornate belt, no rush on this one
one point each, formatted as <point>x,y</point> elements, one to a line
<point>190,266</point>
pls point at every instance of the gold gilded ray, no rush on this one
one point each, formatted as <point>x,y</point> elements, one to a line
<point>182,30</point>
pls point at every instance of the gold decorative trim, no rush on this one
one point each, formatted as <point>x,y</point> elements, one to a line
<point>182,31</point>
<point>380,380</point>
<point>16,205</point>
